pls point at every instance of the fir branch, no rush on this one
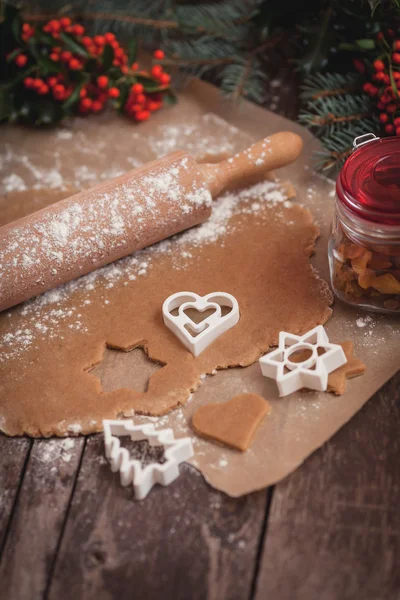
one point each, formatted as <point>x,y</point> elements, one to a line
<point>329,84</point>
<point>338,146</point>
<point>327,114</point>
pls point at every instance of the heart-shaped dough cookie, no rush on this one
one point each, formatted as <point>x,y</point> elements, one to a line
<point>197,336</point>
<point>231,423</point>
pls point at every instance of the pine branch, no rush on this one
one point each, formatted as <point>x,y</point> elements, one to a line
<point>329,84</point>
<point>339,146</point>
<point>327,114</point>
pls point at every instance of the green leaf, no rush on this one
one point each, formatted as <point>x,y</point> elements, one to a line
<point>74,97</point>
<point>149,84</point>
<point>373,5</point>
<point>107,57</point>
<point>46,65</point>
<point>13,54</point>
<point>393,82</point>
<point>132,51</point>
<point>16,27</point>
<point>5,105</point>
<point>347,46</point>
<point>72,45</point>
<point>170,98</point>
<point>366,44</point>
<point>123,96</point>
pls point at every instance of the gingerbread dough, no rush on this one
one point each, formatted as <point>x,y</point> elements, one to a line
<point>353,368</point>
<point>49,345</point>
<point>337,379</point>
<point>233,423</point>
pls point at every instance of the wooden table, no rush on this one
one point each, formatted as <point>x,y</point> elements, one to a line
<point>330,531</point>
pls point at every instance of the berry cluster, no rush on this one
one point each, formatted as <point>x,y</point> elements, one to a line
<point>384,86</point>
<point>81,73</point>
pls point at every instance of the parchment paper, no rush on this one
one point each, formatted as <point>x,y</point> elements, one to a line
<point>297,424</point>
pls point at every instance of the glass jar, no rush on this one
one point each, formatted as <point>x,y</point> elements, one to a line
<point>364,248</point>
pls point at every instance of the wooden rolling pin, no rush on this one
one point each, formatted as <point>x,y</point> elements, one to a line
<point>100,225</point>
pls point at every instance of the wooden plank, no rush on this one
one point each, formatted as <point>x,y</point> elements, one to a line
<point>184,541</point>
<point>38,517</point>
<point>334,526</point>
<point>13,454</point>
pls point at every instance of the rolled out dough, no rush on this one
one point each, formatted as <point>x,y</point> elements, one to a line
<point>49,345</point>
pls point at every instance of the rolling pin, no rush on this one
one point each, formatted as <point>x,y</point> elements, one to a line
<point>109,221</point>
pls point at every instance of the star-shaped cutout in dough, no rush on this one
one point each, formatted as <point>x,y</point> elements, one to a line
<point>312,372</point>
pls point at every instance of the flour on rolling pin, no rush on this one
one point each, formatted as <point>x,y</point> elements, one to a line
<point>98,228</point>
<point>101,225</point>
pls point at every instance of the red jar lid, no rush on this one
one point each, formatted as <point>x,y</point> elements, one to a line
<point>369,182</point>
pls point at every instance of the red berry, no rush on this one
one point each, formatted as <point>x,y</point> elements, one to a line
<point>78,29</point>
<point>54,57</point>
<point>74,64</point>
<point>137,107</point>
<point>156,70</point>
<point>396,58</point>
<point>137,88</point>
<point>379,76</point>
<point>134,66</point>
<point>164,78</point>
<point>381,106</point>
<point>142,115</point>
<point>99,40</point>
<point>28,82</point>
<point>86,103</point>
<point>379,65</point>
<point>398,131</point>
<point>37,82</point>
<point>58,92</point>
<point>389,128</point>
<point>152,105</point>
<point>386,79</point>
<point>86,40</point>
<point>54,26</point>
<point>380,36</point>
<point>44,89</point>
<point>397,121</point>
<point>113,92</point>
<point>21,60</point>
<point>66,55</point>
<point>102,81</point>
<point>97,106</point>
<point>26,27</point>
<point>52,81</point>
<point>65,22</point>
<point>383,117</point>
<point>391,108</point>
<point>83,93</point>
<point>359,65</point>
<point>140,98</point>
<point>109,37</point>
<point>396,45</point>
<point>159,54</point>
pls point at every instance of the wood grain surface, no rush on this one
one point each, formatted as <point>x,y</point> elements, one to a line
<point>330,531</point>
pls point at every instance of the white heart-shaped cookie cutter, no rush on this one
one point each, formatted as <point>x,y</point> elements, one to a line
<point>207,330</point>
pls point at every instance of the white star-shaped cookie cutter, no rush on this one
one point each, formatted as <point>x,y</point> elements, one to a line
<point>312,372</point>
<point>131,470</point>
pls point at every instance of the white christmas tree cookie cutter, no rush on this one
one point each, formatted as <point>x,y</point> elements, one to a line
<point>131,470</point>
<point>310,373</point>
<point>196,337</point>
